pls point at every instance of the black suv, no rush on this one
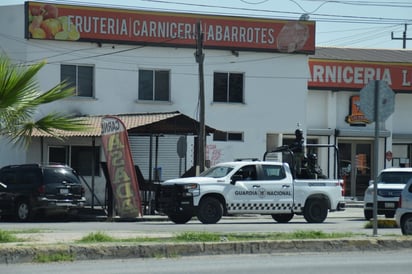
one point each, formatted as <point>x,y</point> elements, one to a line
<point>26,190</point>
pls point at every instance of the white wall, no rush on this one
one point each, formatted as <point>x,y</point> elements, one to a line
<point>275,88</point>
<point>11,154</point>
<point>401,118</point>
<point>12,33</point>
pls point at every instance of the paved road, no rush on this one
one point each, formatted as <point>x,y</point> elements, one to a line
<point>338,263</point>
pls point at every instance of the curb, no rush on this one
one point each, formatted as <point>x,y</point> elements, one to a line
<point>27,254</point>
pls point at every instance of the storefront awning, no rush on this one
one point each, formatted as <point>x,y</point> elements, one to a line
<point>138,123</point>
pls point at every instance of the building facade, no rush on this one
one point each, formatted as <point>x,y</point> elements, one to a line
<point>258,87</point>
<point>339,76</point>
<point>131,61</point>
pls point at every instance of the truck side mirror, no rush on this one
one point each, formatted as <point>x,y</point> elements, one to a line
<point>236,177</point>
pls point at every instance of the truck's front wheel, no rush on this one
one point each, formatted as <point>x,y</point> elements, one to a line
<point>315,211</point>
<point>181,218</point>
<point>210,210</point>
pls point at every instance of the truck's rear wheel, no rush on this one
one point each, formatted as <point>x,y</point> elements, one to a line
<point>210,210</point>
<point>315,211</point>
<point>282,218</point>
<point>181,218</point>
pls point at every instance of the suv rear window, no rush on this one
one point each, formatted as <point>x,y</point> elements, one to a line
<point>395,177</point>
<point>58,175</point>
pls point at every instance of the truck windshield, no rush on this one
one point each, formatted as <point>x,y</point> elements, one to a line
<point>216,172</point>
<point>395,177</point>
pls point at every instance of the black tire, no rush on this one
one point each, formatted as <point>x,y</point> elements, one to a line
<point>210,210</point>
<point>368,214</point>
<point>23,211</point>
<point>406,225</point>
<point>181,218</point>
<point>315,211</point>
<point>282,218</point>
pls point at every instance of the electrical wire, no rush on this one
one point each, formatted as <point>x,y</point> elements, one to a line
<point>305,11</point>
<point>257,12</point>
<point>254,3</point>
<point>388,4</point>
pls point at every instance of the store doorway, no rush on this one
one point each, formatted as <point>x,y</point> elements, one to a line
<point>355,164</point>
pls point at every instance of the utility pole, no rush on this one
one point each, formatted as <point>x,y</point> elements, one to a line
<point>404,38</point>
<point>201,136</point>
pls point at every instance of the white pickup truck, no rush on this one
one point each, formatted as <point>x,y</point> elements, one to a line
<point>249,187</point>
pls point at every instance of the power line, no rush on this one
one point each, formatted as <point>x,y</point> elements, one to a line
<point>390,4</point>
<point>322,18</point>
<point>359,37</point>
<point>257,12</point>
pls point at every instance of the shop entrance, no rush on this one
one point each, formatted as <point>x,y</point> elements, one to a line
<point>355,166</point>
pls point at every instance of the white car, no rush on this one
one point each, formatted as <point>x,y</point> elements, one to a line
<point>403,214</point>
<point>391,182</point>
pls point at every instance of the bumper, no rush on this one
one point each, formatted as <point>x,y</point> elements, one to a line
<point>172,199</point>
<point>55,204</point>
<point>383,207</point>
<point>398,215</point>
<point>171,207</point>
<point>341,206</point>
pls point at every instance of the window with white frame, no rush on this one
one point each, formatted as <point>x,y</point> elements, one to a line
<point>228,136</point>
<point>228,87</point>
<point>79,77</point>
<point>154,85</point>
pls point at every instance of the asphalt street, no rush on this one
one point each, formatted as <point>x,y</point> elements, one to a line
<point>50,237</point>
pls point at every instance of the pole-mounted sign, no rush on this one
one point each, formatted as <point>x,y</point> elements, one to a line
<point>377,102</point>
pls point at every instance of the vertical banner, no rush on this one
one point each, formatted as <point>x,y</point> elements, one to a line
<point>120,167</point>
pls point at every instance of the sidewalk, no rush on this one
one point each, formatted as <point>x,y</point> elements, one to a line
<point>12,253</point>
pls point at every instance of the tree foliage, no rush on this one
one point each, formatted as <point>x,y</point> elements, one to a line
<point>20,98</point>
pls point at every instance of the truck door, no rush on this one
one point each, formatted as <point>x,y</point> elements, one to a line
<point>241,192</point>
<point>276,187</point>
<point>261,189</point>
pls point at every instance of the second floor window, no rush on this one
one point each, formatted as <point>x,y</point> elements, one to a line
<point>228,136</point>
<point>228,87</point>
<point>154,85</point>
<point>79,77</point>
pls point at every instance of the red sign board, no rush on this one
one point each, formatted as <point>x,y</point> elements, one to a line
<point>85,23</point>
<point>354,75</point>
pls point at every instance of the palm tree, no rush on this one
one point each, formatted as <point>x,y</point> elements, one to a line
<point>20,97</point>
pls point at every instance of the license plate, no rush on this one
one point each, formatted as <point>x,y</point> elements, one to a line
<point>389,205</point>
<point>64,191</point>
